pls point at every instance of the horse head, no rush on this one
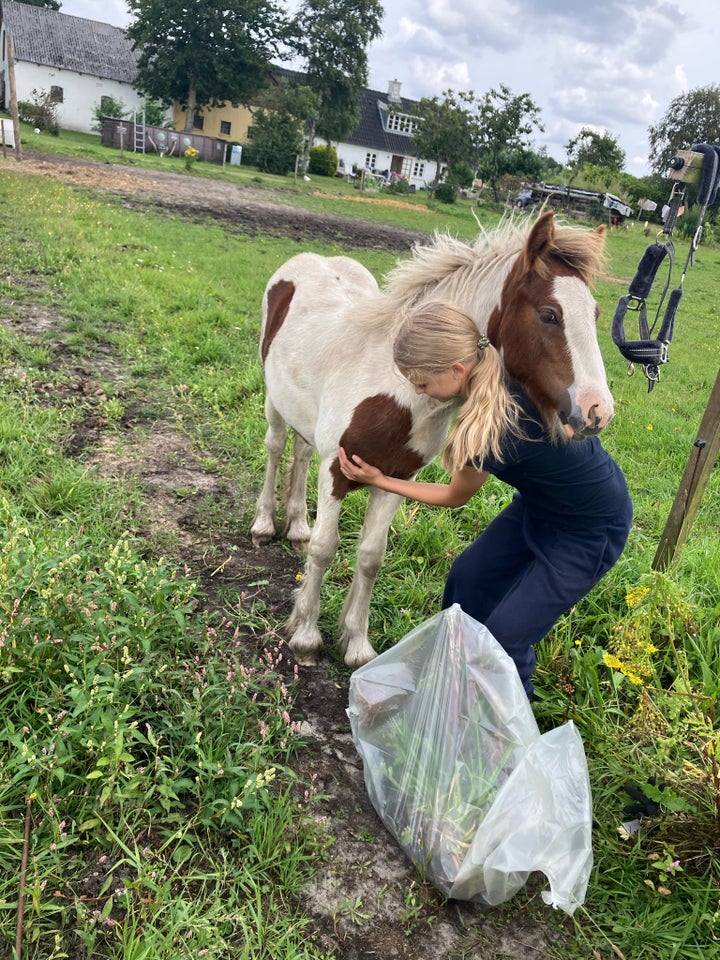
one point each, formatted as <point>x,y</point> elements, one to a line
<point>545,327</point>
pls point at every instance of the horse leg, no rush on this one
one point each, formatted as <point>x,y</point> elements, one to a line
<point>297,528</point>
<point>354,643</point>
<point>263,526</point>
<point>302,626</point>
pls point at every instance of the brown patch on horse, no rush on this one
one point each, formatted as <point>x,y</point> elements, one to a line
<point>379,432</point>
<point>279,298</point>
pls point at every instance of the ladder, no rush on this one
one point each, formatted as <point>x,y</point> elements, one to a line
<point>139,141</point>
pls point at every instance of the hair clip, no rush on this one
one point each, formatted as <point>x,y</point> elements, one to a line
<point>482,343</point>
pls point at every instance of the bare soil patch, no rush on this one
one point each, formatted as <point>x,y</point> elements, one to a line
<point>366,898</point>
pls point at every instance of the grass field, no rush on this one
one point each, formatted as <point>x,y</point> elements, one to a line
<point>100,639</point>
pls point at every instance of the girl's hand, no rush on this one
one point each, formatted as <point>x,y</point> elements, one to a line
<point>356,469</point>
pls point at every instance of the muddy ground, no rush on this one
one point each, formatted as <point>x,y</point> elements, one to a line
<point>365,899</point>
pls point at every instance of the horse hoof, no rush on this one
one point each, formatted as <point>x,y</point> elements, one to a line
<point>307,660</point>
<point>355,658</point>
<point>261,540</point>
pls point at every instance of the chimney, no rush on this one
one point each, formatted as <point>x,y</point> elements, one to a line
<point>394,91</point>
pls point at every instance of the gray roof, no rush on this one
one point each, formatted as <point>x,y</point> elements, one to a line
<point>371,132</point>
<point>55,39</point>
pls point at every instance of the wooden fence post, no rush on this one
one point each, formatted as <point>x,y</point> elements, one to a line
<point>13,96</point>
<point>694,480</point>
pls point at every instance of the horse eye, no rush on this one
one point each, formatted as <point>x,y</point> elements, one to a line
<point>549,316</point>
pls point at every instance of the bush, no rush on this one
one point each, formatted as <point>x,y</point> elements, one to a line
<point>108,107</point>
<point>40,112</point>
<point>156,115</point>
<point>462,174</point>
<point>323,161</point>
<point>398,185</point>
<point>275,142</point>
<point>446,193</point>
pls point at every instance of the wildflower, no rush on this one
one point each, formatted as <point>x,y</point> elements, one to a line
<point>635,595</point>
<point>610,660</point>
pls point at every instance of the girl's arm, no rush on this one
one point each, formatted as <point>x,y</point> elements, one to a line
<point>461,488</point>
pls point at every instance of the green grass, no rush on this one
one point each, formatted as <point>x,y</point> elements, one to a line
<point>100,638</point>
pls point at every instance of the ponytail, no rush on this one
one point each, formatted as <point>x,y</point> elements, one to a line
<point>488,412</point>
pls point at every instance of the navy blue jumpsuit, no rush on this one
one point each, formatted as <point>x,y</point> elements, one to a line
<point>565,527</point>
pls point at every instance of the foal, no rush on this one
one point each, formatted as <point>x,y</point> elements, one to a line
<point>326,354</point>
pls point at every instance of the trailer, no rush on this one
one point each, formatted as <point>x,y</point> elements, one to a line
<point>571,198</point>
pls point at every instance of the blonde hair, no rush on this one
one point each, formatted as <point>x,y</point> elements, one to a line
<point>431,339</point>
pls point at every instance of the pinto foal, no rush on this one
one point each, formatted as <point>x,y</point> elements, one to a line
<point>326,354</point>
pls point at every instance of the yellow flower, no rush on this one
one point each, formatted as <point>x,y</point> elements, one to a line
<point>610,660</point>
<point>635,595</point>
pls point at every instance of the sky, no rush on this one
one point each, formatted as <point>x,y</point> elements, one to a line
<point>610,65</point>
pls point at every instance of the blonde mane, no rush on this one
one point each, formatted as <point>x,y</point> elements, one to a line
<point>459,272</point>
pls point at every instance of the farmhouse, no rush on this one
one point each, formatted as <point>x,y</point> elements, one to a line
<point>381,142</point>
<point>77,62</point>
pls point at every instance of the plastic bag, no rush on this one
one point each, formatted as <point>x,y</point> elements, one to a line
<point>459,773</point>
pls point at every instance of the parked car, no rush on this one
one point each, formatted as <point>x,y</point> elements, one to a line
<point>524,198</point>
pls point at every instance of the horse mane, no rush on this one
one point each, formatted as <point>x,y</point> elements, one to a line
<point>454,270</point>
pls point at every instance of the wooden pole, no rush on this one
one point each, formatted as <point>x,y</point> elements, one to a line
<point>700,463</point>
<point>13,96</point>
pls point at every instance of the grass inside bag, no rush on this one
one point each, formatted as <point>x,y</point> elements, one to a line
<point>459,773</point>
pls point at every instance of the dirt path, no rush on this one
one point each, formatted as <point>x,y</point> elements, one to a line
<point>366,899</point>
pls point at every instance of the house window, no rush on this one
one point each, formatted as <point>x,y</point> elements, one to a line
<point>198,122</point>
<point>225,127</point>
<point>56,94</point>
<point>400,123</point>
<point>370,160</point>
<point>418,169</point>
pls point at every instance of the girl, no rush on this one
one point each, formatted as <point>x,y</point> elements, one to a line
<point>569,518</point>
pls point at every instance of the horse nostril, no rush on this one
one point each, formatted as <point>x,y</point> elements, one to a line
<point>593,418</point>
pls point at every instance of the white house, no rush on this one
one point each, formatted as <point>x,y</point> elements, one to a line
<point>382,140</point>
<point>76,61</point>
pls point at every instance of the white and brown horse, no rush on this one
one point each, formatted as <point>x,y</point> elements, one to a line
<point>326,353</point>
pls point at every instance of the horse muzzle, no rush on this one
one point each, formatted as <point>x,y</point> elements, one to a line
<point>579,425</point>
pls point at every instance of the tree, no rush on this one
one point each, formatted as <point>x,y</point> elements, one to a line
<point>332,37</point>
<point>692,117</point>
<point>504,123</point>
<point>445,131</point>
<point>276,133</point>
<point>202,53</point>
<point>596,149</point>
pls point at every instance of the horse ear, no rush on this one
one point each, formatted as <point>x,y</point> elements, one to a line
<point>540,238</point>
<point>600,230</point>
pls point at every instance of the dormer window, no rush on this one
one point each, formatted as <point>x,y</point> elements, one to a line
<point>400,123</point>
<point>396,122</point>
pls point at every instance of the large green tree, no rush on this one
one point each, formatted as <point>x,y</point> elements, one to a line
<point>597,149</point>
<point>692,117</point>
<point>332,37</point>
<point>446,131</point>
<point>504,122</point>
<point>203,53</point>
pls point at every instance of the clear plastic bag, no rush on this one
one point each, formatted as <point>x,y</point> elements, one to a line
<point>459,773</point>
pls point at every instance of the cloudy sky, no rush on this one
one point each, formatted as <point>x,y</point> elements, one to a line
<point>608,64</point>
